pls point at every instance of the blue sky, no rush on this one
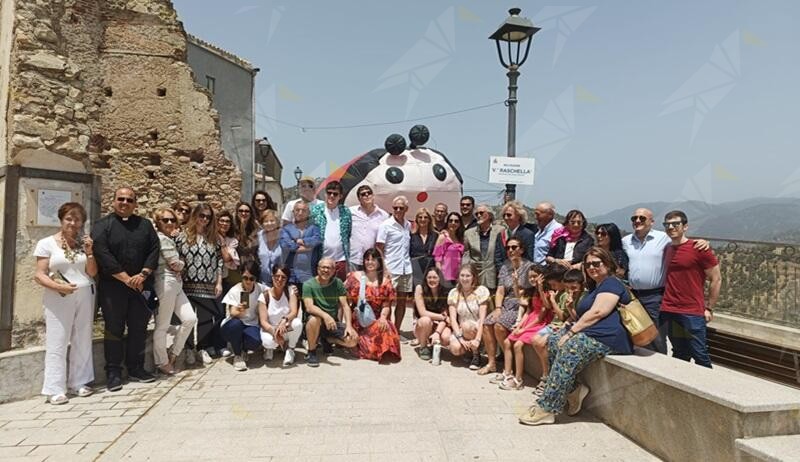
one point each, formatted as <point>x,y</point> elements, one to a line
<point>620,101</point>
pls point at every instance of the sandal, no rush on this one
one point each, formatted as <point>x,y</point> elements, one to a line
<point>500,378</point>
<point>58,399</point>
<point>485,370</point>
<point>512,384</point>
<point>85,391</point>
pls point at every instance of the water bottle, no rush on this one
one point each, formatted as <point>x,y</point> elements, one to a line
<point>437,354</point>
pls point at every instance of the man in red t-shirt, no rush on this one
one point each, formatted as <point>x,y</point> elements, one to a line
<point>683,307</point>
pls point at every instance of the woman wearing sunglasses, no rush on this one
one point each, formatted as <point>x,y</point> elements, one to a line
<point>202,278</point>
<point>171,299</point>
<point>512,281</point>
<point>597,333</point>
<point>608,237</point>
<point>241,328</point>
<point>279,316</point>
<point>449,249</point>
<point>245,228</point>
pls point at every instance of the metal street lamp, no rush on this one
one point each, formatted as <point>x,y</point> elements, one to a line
<point>515,31</point>
<point>297,175</point>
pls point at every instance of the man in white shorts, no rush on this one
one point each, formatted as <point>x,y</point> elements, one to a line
<point>394,241</point>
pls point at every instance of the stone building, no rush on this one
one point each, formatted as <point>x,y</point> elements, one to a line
<point>230,82</point>
<point>95,94</point>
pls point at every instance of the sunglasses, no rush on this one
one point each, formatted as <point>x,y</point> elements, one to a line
<point>248,278</point>
<point>512,247</point>
<point>673,224</point>
<point>365,194</point>
<point>600,233</point>
<point>637,218</point>
<point>206,216</point>
<point>466,204</point>
<point>398,209</point>
<point>480,214</point>
<point>260,200</point>
<point>508,215</point>
<point>129,200</point>
<point>168,220</point>
<point>454,220</point>
<point>593,264</point>
<point>332,193</point>
<point>245,211</point>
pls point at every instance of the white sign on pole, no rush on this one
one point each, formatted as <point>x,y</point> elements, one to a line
<point>511,170</point>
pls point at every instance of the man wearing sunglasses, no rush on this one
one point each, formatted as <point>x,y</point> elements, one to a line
<point>684,309</point>
<point>367,218</point>
<point>126,248</point>
<point>394,242</point>
<point>307,187</point>
<point>646,267</point>
<point>480,243</point>
<point>335,223</point>
<point>467,205</point>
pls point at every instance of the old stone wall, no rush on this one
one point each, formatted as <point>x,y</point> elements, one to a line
<point>102,87</point>
<point>105,84</point>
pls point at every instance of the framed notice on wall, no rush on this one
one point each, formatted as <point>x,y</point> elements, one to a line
<point>47,203</point>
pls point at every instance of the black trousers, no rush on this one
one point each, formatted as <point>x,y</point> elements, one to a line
<point>210,314</point>
<point>123,307</point>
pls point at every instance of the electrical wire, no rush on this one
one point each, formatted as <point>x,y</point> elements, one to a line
<point>378,124</point>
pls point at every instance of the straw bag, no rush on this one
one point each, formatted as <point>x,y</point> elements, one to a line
<point>637,322</point>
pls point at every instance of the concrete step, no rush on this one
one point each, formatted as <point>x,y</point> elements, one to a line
<point>770,448</point>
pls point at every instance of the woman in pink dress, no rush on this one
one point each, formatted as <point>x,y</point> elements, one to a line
<point>449,249</point>
<point>380,338</point>
<point>538,315</point>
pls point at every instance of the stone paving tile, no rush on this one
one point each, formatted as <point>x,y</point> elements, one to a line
<point>344,410</point>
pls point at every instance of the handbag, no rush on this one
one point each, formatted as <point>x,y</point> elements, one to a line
<point>364,312</point>
<point>637,322</point>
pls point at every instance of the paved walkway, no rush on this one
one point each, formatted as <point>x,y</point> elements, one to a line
<point>346,409</point>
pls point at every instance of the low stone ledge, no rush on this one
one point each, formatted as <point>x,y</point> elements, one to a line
<point>681,411</point>
<point>770,448</point>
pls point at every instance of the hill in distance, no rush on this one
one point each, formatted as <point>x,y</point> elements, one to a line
<point>758,219</point>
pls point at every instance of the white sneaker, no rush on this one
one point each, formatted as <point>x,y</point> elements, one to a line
<point>189,357</point>
<point>269,353</point>
<point>288,357</point>
<point>203,356</point>
<point>226,353</point>
<point>239,364</point>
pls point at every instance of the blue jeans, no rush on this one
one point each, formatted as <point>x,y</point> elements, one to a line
<point>688,336</point>
<point>652,303</point>
<point>241,336</point>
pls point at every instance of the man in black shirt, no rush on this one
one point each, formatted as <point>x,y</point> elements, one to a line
<point>126,247</point>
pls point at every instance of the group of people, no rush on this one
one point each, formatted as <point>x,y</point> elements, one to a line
<point>230,284</point>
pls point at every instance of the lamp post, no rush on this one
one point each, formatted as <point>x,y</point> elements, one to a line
<point>515,30</point>
<point>297,175</point>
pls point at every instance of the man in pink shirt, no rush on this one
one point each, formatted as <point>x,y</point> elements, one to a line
<point>367,218</point>
<point>684,307</point>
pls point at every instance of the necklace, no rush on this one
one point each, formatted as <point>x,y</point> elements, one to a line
<point>69,253</point>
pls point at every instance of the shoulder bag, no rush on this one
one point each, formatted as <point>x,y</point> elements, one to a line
<point>364,312</point>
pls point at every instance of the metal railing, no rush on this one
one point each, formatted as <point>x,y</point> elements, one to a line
<point>760,280</point>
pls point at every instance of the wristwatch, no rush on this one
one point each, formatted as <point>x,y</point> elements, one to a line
<point>145,272</point>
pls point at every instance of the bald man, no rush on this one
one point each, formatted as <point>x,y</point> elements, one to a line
<point>126,248</point>
<point>545,214</point>
<point>646,267</point>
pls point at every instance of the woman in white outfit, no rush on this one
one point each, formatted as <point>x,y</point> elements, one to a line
<point>65,267</point>
<point>171,299</point>
<point>279,317</point>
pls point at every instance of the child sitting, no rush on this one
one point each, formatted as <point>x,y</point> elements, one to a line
<point>537,314</point>
<point>570,289</point>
